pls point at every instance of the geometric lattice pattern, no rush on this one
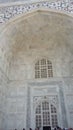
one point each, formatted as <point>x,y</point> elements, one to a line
<point>46,115</point>
<point>43,69</point>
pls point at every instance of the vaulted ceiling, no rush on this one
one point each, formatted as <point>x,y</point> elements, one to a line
<point>40,31</point>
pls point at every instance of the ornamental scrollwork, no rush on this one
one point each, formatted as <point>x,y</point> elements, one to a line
<point>8,12</point>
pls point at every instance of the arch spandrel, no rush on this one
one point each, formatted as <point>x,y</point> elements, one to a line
<point>13,10</point>
<point>52,99</point>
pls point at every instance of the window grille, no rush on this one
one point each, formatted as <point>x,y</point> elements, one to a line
<point>46,115</point>
<point>43,69</point>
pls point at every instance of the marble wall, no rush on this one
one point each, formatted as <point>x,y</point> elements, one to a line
<point>23,42</point>
<point>3,90</point>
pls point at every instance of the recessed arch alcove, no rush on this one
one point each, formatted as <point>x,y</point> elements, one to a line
<point>41,34</point>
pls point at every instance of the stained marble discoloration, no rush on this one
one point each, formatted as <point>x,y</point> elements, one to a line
<point>42,34</point>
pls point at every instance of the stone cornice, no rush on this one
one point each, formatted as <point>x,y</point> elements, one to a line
<point>10,11</point>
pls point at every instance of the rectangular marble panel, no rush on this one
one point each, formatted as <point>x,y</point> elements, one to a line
<point>70,102</point>
<point>71,119</point>
<point>46,89</point>
<point>16,91</point>
<point>15,105</point>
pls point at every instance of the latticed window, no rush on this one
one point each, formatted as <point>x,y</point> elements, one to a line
<point>46,115</point>
<point>43,69</point>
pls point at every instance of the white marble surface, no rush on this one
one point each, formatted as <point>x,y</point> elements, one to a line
<point>20,94</point>
<point>11,11</point>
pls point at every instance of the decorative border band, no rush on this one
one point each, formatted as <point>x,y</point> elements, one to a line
<point>8,12</point>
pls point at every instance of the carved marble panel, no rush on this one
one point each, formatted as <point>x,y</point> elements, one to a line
<point>52,99</point>
<point>9,12</point>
